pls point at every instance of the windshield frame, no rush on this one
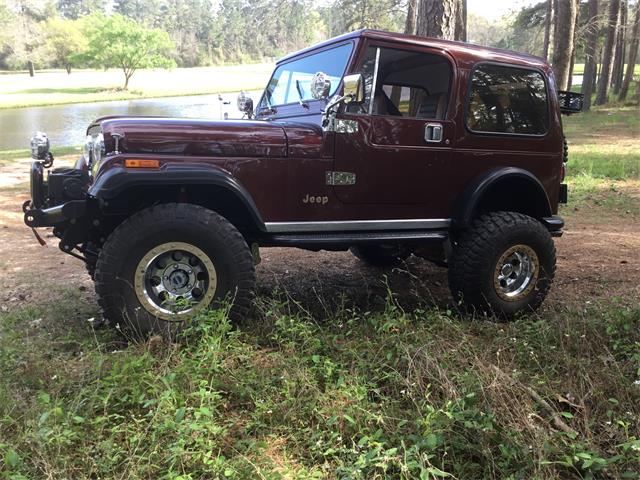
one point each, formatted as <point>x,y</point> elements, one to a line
<point>264,106</point>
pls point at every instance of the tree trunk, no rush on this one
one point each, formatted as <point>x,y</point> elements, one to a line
<point>554,29</point>
<point>563,48</point>
<point>30,67</point>
<point>547,29</point>
<point>618,57</point>
<point>633,54</point>
<point>437,18</point>
<point>461,21</point>
<point>589,54</point>
<point>574,46</point>
<point>605,72</point>
<point>67,67</point>
<point>412,16</point>
<point>409,28</point>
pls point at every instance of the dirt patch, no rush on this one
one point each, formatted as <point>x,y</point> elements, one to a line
<point>596,262</point>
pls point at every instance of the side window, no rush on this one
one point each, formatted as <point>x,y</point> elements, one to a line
<point>406,84</point>
<point>507,100</point>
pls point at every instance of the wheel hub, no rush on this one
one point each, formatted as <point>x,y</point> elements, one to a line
<point>175,279</point>
<point>178,278</point>
<point>516,273</point>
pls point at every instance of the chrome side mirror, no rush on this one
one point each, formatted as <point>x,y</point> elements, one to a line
<point>245,104</point>
<point>320,85</point>
<point>353,88</point>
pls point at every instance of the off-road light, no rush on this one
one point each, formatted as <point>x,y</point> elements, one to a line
<point>40,146</point>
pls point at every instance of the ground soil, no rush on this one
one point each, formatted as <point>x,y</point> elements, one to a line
<point>598,259</point>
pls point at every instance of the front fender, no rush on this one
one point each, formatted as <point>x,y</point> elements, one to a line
<point>117,180</point>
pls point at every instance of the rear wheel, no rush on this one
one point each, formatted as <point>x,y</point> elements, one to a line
<point>503,264</point>
<point>167,263</point>
<point>381,255</point>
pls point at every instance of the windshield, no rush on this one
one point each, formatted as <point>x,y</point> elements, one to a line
<point>290,82</point>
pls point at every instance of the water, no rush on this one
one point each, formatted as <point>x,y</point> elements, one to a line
<point>67,124</point>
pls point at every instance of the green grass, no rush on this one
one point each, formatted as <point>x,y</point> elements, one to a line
<point>57,151</point>
<point>578,69</point>
<point>388,394</point>
<point>604,143</point>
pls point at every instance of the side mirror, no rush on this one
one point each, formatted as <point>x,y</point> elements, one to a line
<point>320,85</point>
<point>353,89</point>
<point>245,104</point>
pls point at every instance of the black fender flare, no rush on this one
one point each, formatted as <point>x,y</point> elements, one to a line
<point>468,201</point>
<point>119,179</point>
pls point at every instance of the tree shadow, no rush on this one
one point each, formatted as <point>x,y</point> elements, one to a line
<point>323,283</point>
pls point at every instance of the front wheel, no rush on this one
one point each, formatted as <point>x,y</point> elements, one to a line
<point>503,264</point>
<point>165,264</point>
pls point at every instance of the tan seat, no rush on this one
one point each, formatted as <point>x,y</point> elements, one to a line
<point>433,106</point>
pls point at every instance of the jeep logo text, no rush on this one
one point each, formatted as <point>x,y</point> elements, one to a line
<point>312,199</point>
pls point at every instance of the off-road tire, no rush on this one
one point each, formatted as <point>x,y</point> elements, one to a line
<point>474,264</point>
<point>189,224</point>
<point>91,268</point>
<point>381,256</point>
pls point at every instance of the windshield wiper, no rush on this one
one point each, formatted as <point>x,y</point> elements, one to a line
<point>299,89</point>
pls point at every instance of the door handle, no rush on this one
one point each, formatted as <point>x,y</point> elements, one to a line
<point>433,132</point>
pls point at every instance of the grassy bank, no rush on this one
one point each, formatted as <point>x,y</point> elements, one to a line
<point>87,86</point>
<point>7,156</point>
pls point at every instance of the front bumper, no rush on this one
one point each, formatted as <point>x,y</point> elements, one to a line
<point>52,216</point>
<point>60,199</point>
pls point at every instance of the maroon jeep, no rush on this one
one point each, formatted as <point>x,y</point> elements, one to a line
<point>385,144</point>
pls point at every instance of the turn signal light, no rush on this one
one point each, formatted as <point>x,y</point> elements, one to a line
<point>138,163</point>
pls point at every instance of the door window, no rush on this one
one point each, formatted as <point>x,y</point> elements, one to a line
<point>406,84</point>
<point>507,100</point>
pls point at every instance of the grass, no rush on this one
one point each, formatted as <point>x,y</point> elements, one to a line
<point>57,151</point>
<point>603,143</point>
<point>388,394</point>
<point>578,69</point>
<point>55,87</point>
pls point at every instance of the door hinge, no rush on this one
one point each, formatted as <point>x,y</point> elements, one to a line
<point>340,178</point>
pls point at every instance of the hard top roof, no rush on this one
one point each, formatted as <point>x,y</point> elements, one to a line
<point>459,50</point>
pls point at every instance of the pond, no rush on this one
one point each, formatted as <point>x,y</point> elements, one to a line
<point>67,124</point>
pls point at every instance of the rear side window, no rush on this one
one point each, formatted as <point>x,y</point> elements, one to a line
<point>507,100</point>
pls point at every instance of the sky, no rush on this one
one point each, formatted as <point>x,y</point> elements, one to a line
<point>494,9</point>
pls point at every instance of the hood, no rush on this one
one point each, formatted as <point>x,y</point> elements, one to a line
<point>194,137</point>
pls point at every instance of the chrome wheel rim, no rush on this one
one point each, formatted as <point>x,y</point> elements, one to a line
<point>175,280</point>
<point>516,273</point>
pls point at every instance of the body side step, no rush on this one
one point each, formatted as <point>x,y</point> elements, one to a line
<point>348,239</point>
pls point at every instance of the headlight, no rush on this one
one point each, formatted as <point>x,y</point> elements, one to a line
<point>94,152</point>
<point>98,148</point>
<point>87,150</point>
